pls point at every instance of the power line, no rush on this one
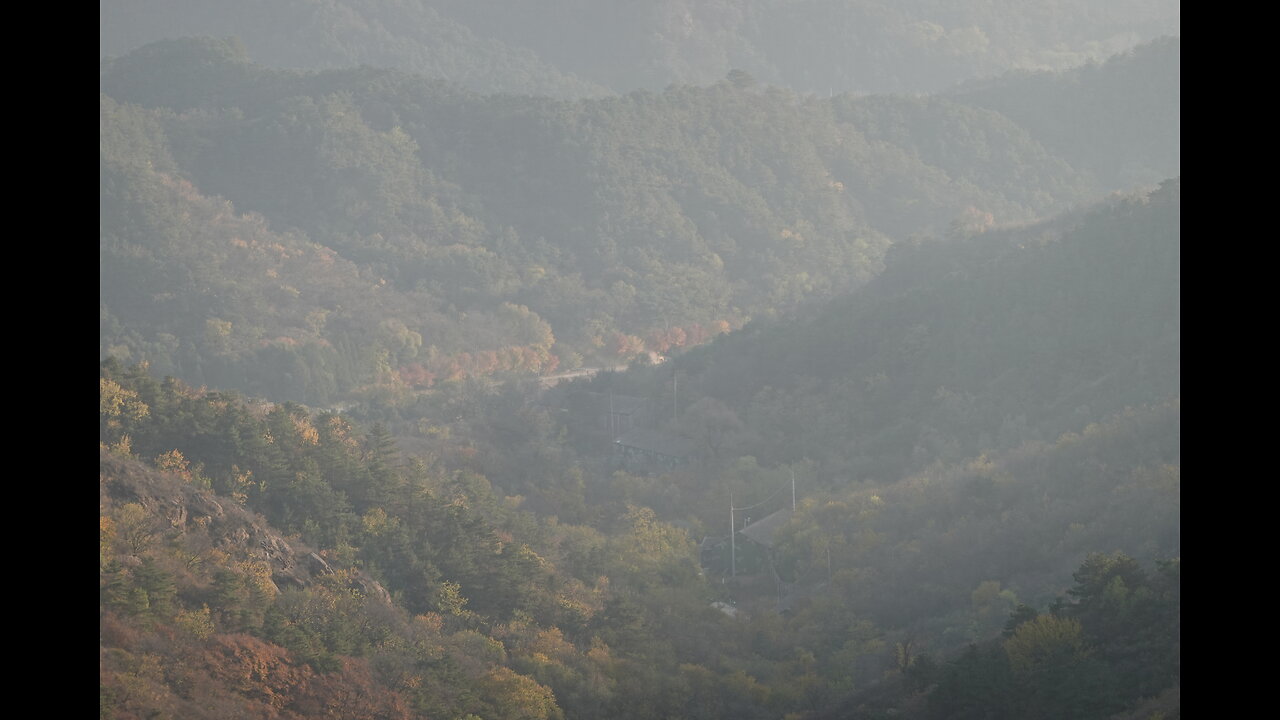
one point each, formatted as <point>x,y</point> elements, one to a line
<point>748,507</point>
<point>733,530</point>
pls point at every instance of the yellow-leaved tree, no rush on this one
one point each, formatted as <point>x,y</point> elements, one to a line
<point>1047,641</point>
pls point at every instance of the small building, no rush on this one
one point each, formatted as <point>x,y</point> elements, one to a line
<point>762,531</point>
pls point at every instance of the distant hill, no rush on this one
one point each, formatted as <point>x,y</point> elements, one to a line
<point>963,431</point>
<point>1120,119</point>
<point>565,232</point>
<point>410,36</point>
<point>570,48</point>
<point>963,345</point>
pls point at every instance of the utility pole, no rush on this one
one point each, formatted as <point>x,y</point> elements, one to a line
<point>675,394</point>
<point>793,491</point>
<point>733,545</point>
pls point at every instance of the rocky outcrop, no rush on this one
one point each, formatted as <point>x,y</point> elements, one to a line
<point>181,508</point>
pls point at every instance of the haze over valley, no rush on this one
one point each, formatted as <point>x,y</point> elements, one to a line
<point>802,359</point>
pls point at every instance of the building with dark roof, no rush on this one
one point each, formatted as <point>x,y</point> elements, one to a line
<point>763,530</point>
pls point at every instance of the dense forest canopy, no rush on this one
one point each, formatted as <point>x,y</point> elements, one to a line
<point>364,233</point>
<point>614,359</point>
<point>961,345</point>
<point>428,593</point>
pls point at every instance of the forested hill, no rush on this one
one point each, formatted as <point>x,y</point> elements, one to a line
<point>263,561</point>
<point>960,346</point>
<point>570,48</point>
<point>919,354</point>
<point>1121,119</point>
<point>963,432</point>
<point>366,233</point>
<point>410,36</point>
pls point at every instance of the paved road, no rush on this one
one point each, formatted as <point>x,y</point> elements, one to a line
<point>553,380</point>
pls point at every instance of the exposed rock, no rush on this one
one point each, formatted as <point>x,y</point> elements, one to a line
<point>318,565</point>
<point>371,588</point>
<point>239,532</point>
<point>176,513</point>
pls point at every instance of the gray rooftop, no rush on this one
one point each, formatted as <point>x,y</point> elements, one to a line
<point>763,530</point>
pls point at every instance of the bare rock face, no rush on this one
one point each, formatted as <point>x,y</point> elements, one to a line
<point>181,508</point>
<point>318,565</point>
<point>370,588</point>
<point>175,512</point>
